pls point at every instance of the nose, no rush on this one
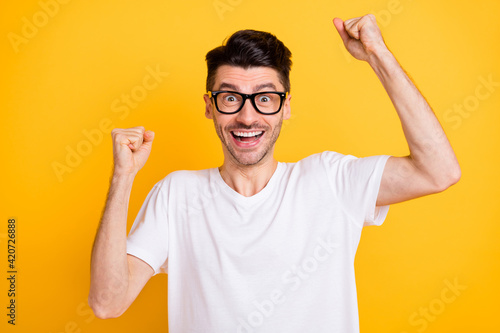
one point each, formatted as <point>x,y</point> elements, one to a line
<point>247,115</point>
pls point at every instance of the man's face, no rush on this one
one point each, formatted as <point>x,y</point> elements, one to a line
<point>234,129</point>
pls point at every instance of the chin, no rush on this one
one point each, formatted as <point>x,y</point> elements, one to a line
<point>248,159</point>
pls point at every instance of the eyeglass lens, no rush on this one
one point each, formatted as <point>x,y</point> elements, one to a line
<point>266,102</point>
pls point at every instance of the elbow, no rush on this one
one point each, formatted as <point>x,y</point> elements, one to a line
<point>457,174</point>
<point>103,314</point>
<point>451,177</point>
<point>102,311</point>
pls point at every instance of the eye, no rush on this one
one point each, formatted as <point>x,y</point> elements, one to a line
<point>264,99</point>
<point>230,98</point>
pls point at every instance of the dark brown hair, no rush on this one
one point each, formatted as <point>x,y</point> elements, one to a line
<point>251,48</point>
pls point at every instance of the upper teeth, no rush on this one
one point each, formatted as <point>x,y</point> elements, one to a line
<point>247,134</point>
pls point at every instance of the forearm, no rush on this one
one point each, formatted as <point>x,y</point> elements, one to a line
<point>109,264</point>
<point>430,150</point>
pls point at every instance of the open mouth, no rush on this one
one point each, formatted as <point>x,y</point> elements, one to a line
<point>247,136</point>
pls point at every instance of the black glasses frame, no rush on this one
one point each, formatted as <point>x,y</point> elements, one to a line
<point>251,97</point>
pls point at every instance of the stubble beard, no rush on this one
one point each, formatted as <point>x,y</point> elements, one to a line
<point>249,158</point>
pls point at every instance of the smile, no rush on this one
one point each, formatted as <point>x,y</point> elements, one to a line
<point>247,136</point>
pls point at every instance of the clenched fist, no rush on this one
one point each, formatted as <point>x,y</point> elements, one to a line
<point>131,148</point>
<point>361,36</point>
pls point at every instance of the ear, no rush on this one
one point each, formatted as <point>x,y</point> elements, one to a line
<point>286,108</point>
<point>208,107</point>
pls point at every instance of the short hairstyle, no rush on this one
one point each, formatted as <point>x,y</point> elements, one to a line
<point>251,48</point>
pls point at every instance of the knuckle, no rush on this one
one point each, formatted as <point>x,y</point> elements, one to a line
<point>117,131</point>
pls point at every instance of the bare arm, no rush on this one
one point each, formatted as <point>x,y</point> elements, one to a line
<point>117,278</point>
<point>431,166</point>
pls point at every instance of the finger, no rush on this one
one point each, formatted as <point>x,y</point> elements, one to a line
<point>369,24</point>
<point>352,27</point>
<point>129,137</point>
<point>141,138</point>
<point>339,25</point>
<point>148,138</point>
<point>134,141</point>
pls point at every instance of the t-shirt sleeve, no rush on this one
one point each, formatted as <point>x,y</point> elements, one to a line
<point>148,238</point>
<point>356,183</point>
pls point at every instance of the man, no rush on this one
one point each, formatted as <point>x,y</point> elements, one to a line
<point>258,245</point>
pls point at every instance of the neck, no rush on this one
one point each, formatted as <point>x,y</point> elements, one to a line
<point>248,180</point>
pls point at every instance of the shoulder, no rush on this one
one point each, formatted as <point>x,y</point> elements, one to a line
<point>185,178</point>
<point>334,159</point>
<point>334,163</point>
<point>316,165</point>
<point>324,158</point>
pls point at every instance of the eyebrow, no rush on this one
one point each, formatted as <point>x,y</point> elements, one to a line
<point>227,86</point>
<point>265,85</point>
<point>260,87</point>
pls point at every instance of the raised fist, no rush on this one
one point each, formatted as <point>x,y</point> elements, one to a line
<point>361,36</point>
<point>131,148</point>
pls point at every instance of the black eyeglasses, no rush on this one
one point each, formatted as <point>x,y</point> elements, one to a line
<point>266,102</point>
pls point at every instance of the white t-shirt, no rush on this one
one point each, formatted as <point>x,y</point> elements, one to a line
<point>281,260</point>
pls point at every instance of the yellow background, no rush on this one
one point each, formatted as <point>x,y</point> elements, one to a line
<point>64,76</point>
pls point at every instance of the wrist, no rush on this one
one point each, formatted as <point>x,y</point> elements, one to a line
<point>124,173</point>
<point>380,56</point>
<point>383,62</point>
<point>122,179</point>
